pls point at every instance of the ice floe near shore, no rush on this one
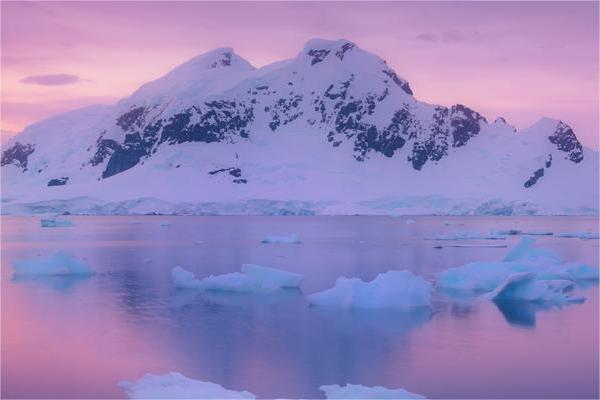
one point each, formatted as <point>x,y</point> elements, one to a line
<point>253,278</point>
<point>579,235</point>
<point>393,289</point>
<point>350,391</point>
<point>293,239</point>
<point>525,273</point>
<point>55,223</point>
<point>468,235</point>
<point>174,385</point>
<point>60,263</point>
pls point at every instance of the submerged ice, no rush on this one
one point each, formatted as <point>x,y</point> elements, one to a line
<point>174,385</point>
<point>253,278</point>
<point>350,391</point>
<point>393,289</point>
<point>525,286</point>
<point>59,263</point>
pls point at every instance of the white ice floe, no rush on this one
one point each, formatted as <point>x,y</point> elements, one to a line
<point>253,278</point>
<point>55,223</point>
<point>579,235</point>
<point>293,238</point>
<point>393,289</point>
<point>174,385</point>
<point>350,391</point>
<point>523,258</point>
<point>525,286</point>
<point>467,235</point>
<point>60,263</point>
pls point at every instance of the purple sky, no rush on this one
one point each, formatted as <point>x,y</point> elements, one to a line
<point>520,60</point>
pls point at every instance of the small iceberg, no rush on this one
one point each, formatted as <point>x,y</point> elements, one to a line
<point>174,385</point>
<point>55,223</point>
<point>468,235</point>
<point>253,278</point>
<point>365,392</point>
<point>60,263</point>
<point>393,289</point>
<point>523,258</point>
<point>525,286</point>
<point>293,238</point>
<point>579,235</point>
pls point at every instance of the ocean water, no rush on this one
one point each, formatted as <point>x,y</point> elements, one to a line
<point>66,337</point>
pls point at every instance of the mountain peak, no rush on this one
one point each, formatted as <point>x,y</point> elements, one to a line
<point>318,50</point>
<point>222,57</point>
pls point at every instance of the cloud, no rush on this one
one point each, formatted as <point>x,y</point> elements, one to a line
<point>449,37</point>
<point>51,80</point>
<point>427,37</point>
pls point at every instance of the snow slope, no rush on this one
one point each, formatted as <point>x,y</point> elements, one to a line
<point>332,131</point>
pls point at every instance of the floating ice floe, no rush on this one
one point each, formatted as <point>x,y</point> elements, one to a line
<point>365,392</point>
<point>55,223</point>
<point>525,286</point>
<point>393,289</point>
<point>60,263</point>
<point>506,232</point>
<point>174,385</point>
<point>467,235</point>
<point>253,278</point>
<point>165,223</point>
<point>506,276</point>
<point>579,235</point>
<point>293,238</point>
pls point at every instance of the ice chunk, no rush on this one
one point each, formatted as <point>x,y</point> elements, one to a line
<point>393,289</point>
<point>293,238</point>
<point>55,223</point>
<point>467,235</point>
<point>174,385</point>
<point>538,233</point>
<point>580,235</point>
<point>507,232</point>
<point>350,391</point>
<point>525,286</point>
<point>165,223</point>
<point>524,249</point>
<point>60,263</point>
<point>184,279</point>
<point>487,276</point>
<point>253,278</point>
<point>272,276</point>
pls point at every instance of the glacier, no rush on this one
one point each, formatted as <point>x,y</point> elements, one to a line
<point>252,279</point>
<point>59,263</point>
<point>350,391</point>
<point>393,289</point>
<point>174,385</point>
<point>334,130</point>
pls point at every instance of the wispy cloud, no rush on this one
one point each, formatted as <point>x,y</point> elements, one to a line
<point>453,36</point>
<point>51,80</point>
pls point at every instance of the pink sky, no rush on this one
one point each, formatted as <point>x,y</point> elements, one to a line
<point>520,60</point>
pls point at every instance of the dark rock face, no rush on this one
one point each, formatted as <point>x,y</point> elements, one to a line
<point>343,50</point>
<point>318,55</point>
<point>235,172</point>
<point>465,123</point>
<point>58,181</point>
<point>285,110</point>
<point>565,140</point>
<point>131,118</point>
<point>549,161</point>
<point>534,178</point>
<point>17,155</point>
<point>225,61</point>
<point>401,83</point>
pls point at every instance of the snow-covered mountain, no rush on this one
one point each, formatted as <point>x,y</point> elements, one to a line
<point>333,131</point>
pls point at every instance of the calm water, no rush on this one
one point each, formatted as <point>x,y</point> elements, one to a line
<point>66,337</point>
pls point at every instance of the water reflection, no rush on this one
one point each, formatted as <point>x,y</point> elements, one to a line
<point>60,283</point>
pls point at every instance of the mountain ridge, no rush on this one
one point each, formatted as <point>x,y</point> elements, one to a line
<point>333,99</point>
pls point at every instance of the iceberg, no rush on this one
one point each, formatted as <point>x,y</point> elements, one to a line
<point>579,235</point>
<point>526,287</point>
<point>55,223</point>
<point>174,385</point>
<point>293,238</point>
<point>393,289</point>
<point>253,278</point>
<point>523,258</point>
<point>60,263</point>
<point>350,391</point>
